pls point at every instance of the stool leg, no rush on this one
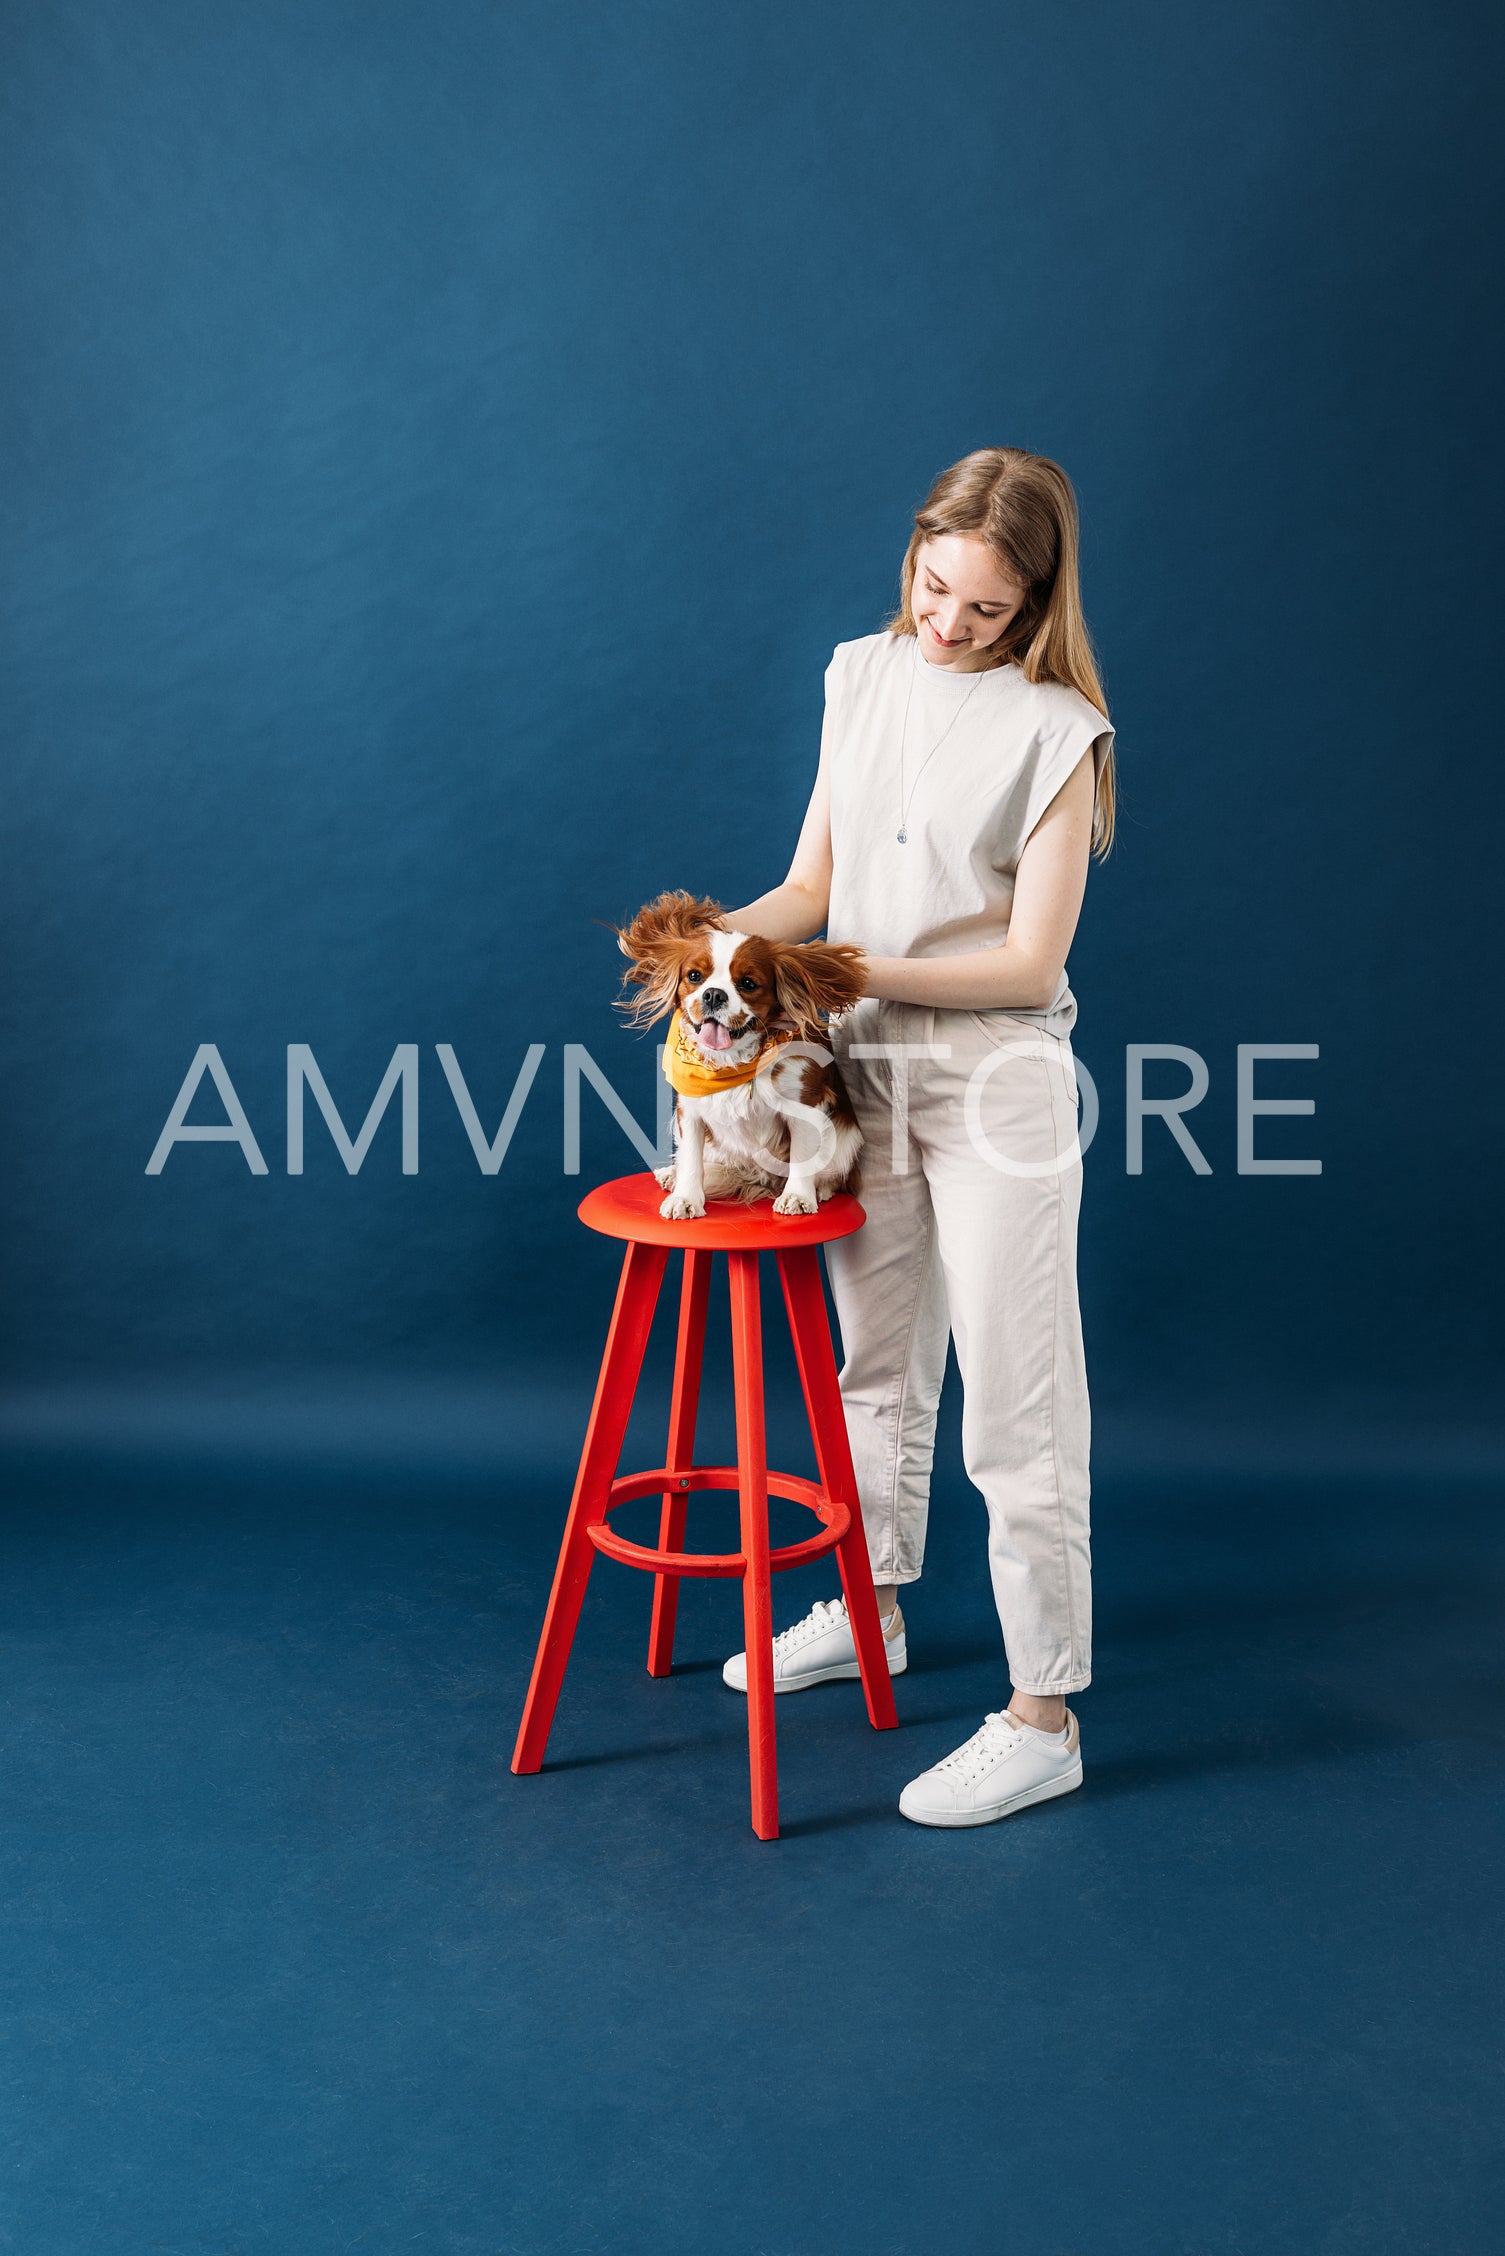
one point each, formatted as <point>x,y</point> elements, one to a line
<point>752,1493</point>
<point>685,1401</point>
<point>799,1272</point>
<point>631,1320</point>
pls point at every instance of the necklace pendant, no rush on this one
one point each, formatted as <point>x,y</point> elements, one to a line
<point>903,837</point>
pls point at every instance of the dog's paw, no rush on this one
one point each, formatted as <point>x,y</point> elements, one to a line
<point>664,1177</point>
<point>678,1207</point>
<point>793,1201</point>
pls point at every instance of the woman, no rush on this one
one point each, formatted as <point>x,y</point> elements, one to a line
<point>966,775</point>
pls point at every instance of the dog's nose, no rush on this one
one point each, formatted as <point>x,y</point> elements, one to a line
<point>713,998</point>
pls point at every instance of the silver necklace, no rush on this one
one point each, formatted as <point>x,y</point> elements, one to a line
<point>905,803</point>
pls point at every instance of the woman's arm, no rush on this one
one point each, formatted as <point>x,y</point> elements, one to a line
<point>1048,888</point>
<point>797,909</point>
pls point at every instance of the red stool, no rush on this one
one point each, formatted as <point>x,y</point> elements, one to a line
<point>629,1208</point>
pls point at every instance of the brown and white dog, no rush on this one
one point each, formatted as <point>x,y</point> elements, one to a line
<point>747,1121</point>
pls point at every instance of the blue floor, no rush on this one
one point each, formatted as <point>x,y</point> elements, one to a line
<point>293,1964</point>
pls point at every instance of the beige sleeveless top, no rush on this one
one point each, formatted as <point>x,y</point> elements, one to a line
<point>985,755</point>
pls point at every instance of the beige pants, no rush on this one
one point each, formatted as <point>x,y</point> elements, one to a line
<point>982,1248</point>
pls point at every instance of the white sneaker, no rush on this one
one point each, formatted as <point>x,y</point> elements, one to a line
<point>1002,1768</point>
<point>818,1648</point>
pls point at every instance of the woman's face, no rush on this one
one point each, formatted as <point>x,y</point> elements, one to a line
<point>961,601</point>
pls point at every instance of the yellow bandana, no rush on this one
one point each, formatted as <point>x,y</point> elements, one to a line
<point>686,1069</point>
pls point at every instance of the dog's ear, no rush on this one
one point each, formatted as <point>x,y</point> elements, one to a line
<point>816,979</point>
<point>657,943</point>
<point>677,915</point>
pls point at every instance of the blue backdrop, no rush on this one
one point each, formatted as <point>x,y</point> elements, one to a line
<point>443,447</point>
<point>443,443</point>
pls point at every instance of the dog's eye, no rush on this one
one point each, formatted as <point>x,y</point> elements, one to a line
<point>694,977</point>
<point>748,986</point>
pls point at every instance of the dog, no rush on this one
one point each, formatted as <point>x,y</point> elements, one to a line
<point>747,1120</point>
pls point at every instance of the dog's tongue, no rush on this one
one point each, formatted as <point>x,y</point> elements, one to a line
<point>712,1036</point>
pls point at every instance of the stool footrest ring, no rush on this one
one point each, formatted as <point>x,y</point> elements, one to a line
<point>836,1519</point>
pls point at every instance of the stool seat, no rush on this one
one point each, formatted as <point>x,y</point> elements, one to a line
<point>629,1208</point>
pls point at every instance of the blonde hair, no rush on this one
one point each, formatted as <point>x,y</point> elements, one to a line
<point>1023,508</point>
